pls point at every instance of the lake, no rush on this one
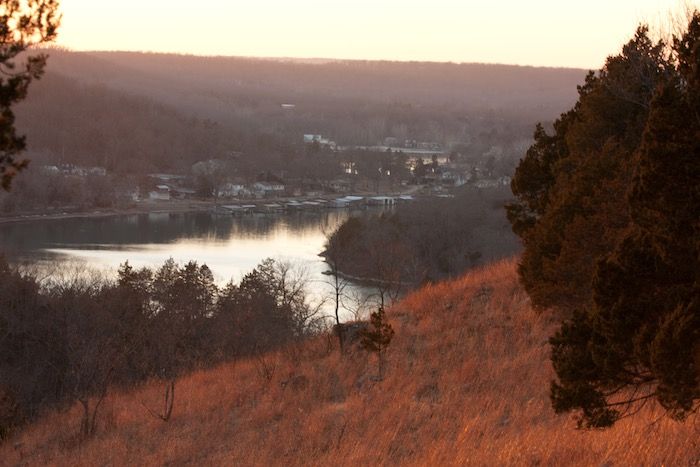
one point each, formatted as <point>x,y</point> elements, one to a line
<point>230,246</point>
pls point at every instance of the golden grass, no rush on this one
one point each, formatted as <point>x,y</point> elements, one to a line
<point>466,384</point>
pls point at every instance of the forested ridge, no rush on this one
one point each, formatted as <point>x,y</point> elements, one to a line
<point>73,122</point>
<point>132,112</point>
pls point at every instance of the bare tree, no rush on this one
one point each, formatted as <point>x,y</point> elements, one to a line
<point>168,402</point>
<point>290,284</point>
<point>92,349</point>
<point>210,175</point>
<point>335,258</point>
<point>388,260</point>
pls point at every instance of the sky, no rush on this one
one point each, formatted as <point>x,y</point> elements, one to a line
<point>559,33</point>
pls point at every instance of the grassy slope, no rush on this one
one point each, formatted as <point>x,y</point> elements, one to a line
<point>466,383</point>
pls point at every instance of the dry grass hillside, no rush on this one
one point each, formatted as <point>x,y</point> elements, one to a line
<point>466,384</point>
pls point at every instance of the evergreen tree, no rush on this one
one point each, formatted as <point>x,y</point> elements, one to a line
<point>639,339</point>
<point>378,336</point>
<point>570,187</point>
<point>23,24</point>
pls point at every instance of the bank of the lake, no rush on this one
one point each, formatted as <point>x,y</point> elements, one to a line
<point>230,245</point>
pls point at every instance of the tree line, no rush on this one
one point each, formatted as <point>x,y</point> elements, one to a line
<point>425,240</point>
<point>70,339</point>
<point>608,209</point>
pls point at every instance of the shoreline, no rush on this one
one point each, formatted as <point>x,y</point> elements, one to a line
<point>359,280</point>
<point>171,206</point>
<point>151,208</point>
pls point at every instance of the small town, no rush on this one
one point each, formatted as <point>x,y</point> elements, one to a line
<point>420,170</point>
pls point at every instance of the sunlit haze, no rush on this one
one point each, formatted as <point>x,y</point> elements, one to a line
<point>545,32</point>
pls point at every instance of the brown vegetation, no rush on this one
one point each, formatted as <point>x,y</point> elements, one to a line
<point>427,240</point>
<point>463,385</point>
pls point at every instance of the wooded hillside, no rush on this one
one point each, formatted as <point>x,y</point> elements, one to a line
<point>464,384</point>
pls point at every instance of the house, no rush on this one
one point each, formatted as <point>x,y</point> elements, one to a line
<point>233,190</point>
<point>308,139</point>
<point>451,178</point>
<point>268,189</point>
<point>50,169</point>
<point>97,171</point>
<point>340,185</point>
<point>168,178</point>
<point>70,169</point>
<point>320,140</point>
<point>161,193</point>
<point>349,167</point>
<point>183,193</point>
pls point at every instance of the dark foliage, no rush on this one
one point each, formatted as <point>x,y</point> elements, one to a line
<point>426,240</point>
<point>611,232</point>
<point>377,336</point>
<point>72,339</point>
<point>570,187</point>
<point>23,24</point>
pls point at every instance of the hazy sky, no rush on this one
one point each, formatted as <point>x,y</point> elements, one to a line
<point>534,32</point>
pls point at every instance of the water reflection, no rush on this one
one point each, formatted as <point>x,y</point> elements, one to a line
<point>230,246</point>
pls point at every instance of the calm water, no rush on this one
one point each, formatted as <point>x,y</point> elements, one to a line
<point>230,246</point>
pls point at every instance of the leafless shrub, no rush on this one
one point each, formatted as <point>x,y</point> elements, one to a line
<point>168,401</point>
<point>266,366</point>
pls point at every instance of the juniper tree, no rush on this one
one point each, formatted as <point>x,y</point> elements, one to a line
<point>570,187</point>
<point>639,340</point>
<point>377,337</point>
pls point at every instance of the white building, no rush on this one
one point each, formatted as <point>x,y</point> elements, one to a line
<point>161,193</point>
<point>233,190</point>
<point>325,142</point>
<point>264,189</point>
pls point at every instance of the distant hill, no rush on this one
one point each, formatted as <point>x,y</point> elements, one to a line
<point>254,82</point>
<point>138,111</point>
<point>67,120</point>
